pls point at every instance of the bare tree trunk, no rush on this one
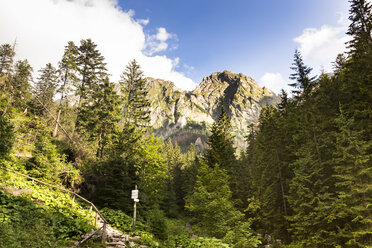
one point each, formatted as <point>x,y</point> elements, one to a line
<point>60,106</point>
<point>281,185</point>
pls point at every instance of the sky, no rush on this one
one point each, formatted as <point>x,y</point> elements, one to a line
<point>183,40</point>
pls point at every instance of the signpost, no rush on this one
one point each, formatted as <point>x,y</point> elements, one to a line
<point>135,199</point>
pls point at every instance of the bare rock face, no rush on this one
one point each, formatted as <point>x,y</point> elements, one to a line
<point>186,116</point>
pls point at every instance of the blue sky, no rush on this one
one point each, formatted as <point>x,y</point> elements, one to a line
<point>180,40</point>
<point>249,36</point>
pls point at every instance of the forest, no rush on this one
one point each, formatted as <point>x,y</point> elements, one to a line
<point>304,180</point>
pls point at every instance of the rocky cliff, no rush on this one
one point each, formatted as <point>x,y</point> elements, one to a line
<point>186,116</point>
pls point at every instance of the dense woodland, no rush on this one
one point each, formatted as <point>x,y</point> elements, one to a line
<point>305,179</point>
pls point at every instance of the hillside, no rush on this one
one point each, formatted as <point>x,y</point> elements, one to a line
<point>185,116</point>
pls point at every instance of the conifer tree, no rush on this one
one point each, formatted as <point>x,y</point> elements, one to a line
<point>21,79</point>
<point>304,83</point>
<point>220,144</point>
<point>92,81</point>
<point>270,173</point>
<point>6,60</point>
<point>67,74</point>
<point>190,170</point>
<point>92,70</point>
<point>45,87</point>
<point>6,67</point>
<point>99,118</point>
<point>211,203</point>
<point>353,174</point>
<point>361,26</point>
<point>173,201</point>
<point>136,104</point>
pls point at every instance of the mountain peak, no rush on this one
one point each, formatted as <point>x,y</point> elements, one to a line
<point>175,111</point>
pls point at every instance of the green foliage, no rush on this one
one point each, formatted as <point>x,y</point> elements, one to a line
<point>99,117</point>
<point>313,158</point>
<point>92,70</point>
<point>39,217</point>
<point>45,87</point>
<point>242,236</point>
<point>205,243</point>
<point>211,204</point>
<point>6,59</point>
<point>120,220</point>
<point>20,81</point>
<point>157,222</point>
<point>6,136</point>
<point>304,83</point>
<point>220,144</point>
<point>48,164</point>
<point>133,87</point>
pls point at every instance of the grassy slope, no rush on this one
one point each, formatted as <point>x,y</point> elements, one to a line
<point>39,216</point>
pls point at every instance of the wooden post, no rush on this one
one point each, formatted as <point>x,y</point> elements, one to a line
<point>95,220</point>
<point>73,198</point>
<point>134,214</point>
<point>104,233</point>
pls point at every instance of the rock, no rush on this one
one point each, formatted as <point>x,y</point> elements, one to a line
<point>179,114</point>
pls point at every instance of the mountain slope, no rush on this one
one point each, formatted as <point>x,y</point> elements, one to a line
<point>186,116</point>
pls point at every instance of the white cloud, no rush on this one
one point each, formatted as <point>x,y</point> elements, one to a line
<point>319,47</point>
<point>143,22</point>
<point>158,42</point>
<point>274,82</point>
<point>43,27</point>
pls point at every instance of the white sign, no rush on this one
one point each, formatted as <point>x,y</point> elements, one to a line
<point>136,200</point>
<point>135,194</point>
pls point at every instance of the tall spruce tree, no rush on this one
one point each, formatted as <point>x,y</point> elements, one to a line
<point>211,203</point>
<point>6,67</point>
<point>270,173</point>
<point>353,175</point>
<point>136,105</point>
<point>360,27</point>
<point>45,87</point>
<point>6,60</point>
<point>20,81</point>
<point>67,69</point>
<point>99,118</point>
<point>303,84</point>
<point>92,73</point>
<point>92,70</point>
<point>221,148</point>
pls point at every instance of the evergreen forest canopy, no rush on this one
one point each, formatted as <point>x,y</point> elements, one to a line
<point>305,179</point>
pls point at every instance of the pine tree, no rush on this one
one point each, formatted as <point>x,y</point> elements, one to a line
<point>6,61</point>
<point>173,201</point>
<point>67,74</point>
<point>361,27</point>
<point>91,87</point>
<point>100,117</point>
<point>91,68</point>
<point>136,104</point>
<point>20,81</point>
<point>356,86</point>
<point>304,83</point>
<point>270,173</point>
<point>221,148</point>
<point>211,203</point>
<point>339,64</point>
<point>190,170</point>
<point>45,87</point>
<point>353,174</point>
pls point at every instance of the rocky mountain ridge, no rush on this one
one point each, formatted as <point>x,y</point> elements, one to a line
<point>185,116</point>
